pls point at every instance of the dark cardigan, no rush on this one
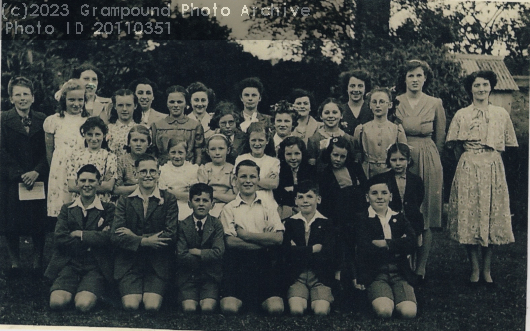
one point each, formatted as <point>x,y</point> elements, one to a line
<point>286,198</point>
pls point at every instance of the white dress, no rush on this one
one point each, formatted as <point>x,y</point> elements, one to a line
<point>67,139</point>
<point>178,178</point>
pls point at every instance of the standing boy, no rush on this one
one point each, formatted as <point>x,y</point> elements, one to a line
<point>309,246</point>
<point>384,239</point>
<point>81,263</point>
<point>144,231</point>
<point>200,249</point>
<point>253,232</point>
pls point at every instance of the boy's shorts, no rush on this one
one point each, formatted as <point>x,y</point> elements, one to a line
<point>198,288</point>
<point>141,279</point>
<point>75,278</point>
<point>251,276</point>
<point>308,286</point>
<point>391,285</point>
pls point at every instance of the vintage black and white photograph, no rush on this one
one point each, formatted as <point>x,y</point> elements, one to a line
<point>264,165</point>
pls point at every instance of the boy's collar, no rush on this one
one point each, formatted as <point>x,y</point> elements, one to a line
<point>138,193</point>
<point>95,204</point>
<point>240,199</point>
<point>372,213</point>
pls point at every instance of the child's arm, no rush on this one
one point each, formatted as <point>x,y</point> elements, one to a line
<point>230,233</point>
<point>101,236</point>
<point>401,137</point>
<point>404,245</point>
<point>111,169</point>
<point>218,247</point>
<point>185,258</point>
<point>271,180</point>
<point>357,143</point>
<point>262,239</point>
<point>236,242</point>
<point>199,143</point>
<point>65,239</point>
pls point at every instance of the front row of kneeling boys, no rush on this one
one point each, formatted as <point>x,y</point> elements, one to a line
<point>249,258</point>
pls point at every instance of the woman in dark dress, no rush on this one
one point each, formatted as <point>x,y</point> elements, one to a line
<point>23,155</point>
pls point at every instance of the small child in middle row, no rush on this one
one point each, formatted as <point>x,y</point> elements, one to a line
<point>200,249</point>
<point>309,252</point>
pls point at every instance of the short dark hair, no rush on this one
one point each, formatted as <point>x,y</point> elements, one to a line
<point>200,188</point>
<point>144,157</point>
<point>137,113</point>
<point>339,142</point>
<point>344,80</point>
<point>250,82</point>
<point>200,87</point>
<point>401,86</point>
<point>178,89</point>
<point>306,186</point>
<point>328,101</point>
<point>19,81</point>
<point>95,122</point>
<point>291,141</point>
<point>486,74</point>
<point>376,180</point>
<point>300,93</point>
<point>246,163</point>
<point>222,109</point>
<point>76,73</point>
<point>145,81</point>
<point>89,168</point>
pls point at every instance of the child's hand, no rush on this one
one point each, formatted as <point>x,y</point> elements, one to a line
<point>289,188</point>
<point>124,231</point>
<point>293,243</point>
<point>76,233</point>
<point>195,251</point>
<point>241,233</point>
<point>380,243</point>
<point>105,229</point>
<point>317,248</point>
<point>358,286</point>
<point>154,241</point>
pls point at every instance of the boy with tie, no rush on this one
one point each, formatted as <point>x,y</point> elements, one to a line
<point>200,249</point>
<point>144,231</point>
<point>81,263</point>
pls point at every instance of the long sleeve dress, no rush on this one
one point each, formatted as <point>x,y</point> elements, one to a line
<point>479,205</point>
<point>424,126</point>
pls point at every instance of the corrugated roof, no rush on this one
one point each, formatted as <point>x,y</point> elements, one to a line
<point>472,62</point>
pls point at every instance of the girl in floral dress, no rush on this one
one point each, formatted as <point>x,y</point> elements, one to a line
<point>94,131</point>
<point>62,140</point>
<point>479,206</point>
<point>125,114</point>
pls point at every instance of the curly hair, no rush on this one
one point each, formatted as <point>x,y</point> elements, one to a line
<point>137,113</point>
<point>284,107</point>
<point>292,141</point>
<point>339,142</point>
<point>344,81</point>
<point>401,86</point>
<point>486,74</point>
<point>95,122</point>
<point>71,85</point>
<point>200,87</point>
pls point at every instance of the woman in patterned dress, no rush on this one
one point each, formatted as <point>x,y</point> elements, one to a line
<point>479,205</point>
<point>125,114</point>
<point>62,140</point>
<point>423,118</point>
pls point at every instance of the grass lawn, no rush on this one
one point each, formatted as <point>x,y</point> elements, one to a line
<point>444,302</point>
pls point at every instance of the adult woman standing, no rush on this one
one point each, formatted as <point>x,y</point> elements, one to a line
<point>202,100</point>
<point>302,101</point>
<point>423,118</point>
<point>23,161</point>
<point>92,78</point>
<point>354,85</point>
<point>62,139</point>
<point>479,206</point>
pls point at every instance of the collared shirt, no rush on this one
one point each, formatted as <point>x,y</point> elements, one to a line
<point>248,119</point>
<point>260,216</point>
<point>155,194</point>
<point>277,140</point>
<point>401,181</point>
<point>95,204</point>
<point>307,224</point>
<point>145,116</point>
<point>203,220</point>
<point>384,222</point>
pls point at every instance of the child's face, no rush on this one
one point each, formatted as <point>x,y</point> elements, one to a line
<point>258,141</point>
<point>250,97</point>
<point>199,102</point>
<point>201,205</point>
<point>379,104</point>
<point>177,155</point>
<point>247,180</point>
<point>87,183</point>
<point>145,95</point>
<point>378,197</point>
<point>283,124</point>
<point>147,174</point>
<point>293,156</point>
<point>138,143</point>
<point>21,97</point>
<point>176,103</point>
<point>356,89</point>
<point>307,202</point>
<point>227,125</point>
<point>331,115</point>
<point>398,162</point>
<point>75,100</point>
<point>217,150</point>
<point>302,106</point>
<point>125,107</point>
<point>338,157</point>
<point>94,138</point>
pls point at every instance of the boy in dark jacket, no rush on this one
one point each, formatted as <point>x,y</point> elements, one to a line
<point>82,259</point>
<point>309,244</point>
<point>200,249</point>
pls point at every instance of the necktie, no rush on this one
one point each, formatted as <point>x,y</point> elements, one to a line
<point>26,122</point>
<point>199,227</point>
